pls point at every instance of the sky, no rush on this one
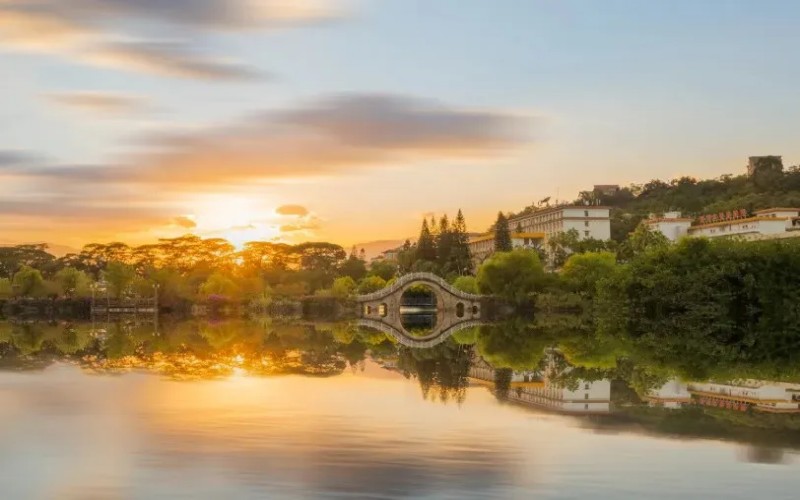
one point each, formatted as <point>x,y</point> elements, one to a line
<point>349,120</point>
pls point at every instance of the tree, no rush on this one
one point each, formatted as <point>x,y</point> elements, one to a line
<point>460,256</point>
<point>371,284</point>
<point>343,287</point>
<point>583,271</point>
<point>444,244</point>
<point>513,276</point>
<point>72,282</point>
<point>426,244</point>
<point>6,290</point>
<point>467,284</point>
<point>383,268</point>
<point>119,277</point>
<point>642,240</point>
<point>28,282</point>
<point>220,285</point>
<point>502,234</point>
<point>353,267</point>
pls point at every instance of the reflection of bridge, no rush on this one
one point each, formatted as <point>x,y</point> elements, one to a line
<point>455,310</point>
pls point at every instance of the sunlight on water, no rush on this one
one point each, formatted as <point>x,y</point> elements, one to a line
<point>68,434</point>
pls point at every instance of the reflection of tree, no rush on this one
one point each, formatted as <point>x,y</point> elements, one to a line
<point>441,371</point>
<point>513,344</point>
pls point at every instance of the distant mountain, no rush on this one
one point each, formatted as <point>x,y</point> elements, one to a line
<point>375,248</point>
<point>52,248</point>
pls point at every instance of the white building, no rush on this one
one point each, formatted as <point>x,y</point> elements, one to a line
<point>481,247</point>
<point>764,224</point>
<point>589,221</point>
<point>759,395</point>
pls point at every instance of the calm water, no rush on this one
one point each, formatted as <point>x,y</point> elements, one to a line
<point>262,410</point>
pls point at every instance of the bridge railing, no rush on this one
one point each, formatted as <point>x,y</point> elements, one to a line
<point>412,277</point>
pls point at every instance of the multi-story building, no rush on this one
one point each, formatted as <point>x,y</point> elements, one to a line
<point>482,246</point>
<point>589,221</point>
<point>763,224</point>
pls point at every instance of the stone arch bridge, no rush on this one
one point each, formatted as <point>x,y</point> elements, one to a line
<point>455,310</point>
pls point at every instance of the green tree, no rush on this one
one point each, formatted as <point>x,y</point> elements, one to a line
<point>426,244</point>
<point>6,290</point>
<point>502,234</point>
<point>28,282</point>
<point>642,240</point>
<point>383,268</point>
<point>513,276</point>
<point>343,287</point>
<point>371,284</point>
<point>220,285</point>
<point>460,257</point>
<point>353,267</point>
<point>119,277</point>
<point>467,284</point>
<point>72,282</point>
<point>583,271</point>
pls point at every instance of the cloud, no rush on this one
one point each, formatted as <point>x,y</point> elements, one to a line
<point>131,34</point>
<point>297,210</point>
<point>184,222</point>
<point>167,59</point>
<point>107,103</point>
<point>337,134</point>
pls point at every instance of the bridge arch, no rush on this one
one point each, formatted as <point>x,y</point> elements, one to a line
<point>381,309</point>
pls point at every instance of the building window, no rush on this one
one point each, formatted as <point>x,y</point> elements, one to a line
<point>586,223</point>
<point>586,213</point>
<point>586,386</point>
<point>586,406</point>
<point>586,396</point>
<point>586,233</point>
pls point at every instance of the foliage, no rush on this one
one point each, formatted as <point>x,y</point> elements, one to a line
<point>371,284</point>
<point>582,271</point>
<point>384,269</point>
<point>467,284</point>
<point>119,277</point>
<point>502,234</point>
<point>513,276</point>
<point>73,282</point>
<point>28,282</point>
<point>354,267</point>
<point>343,287</point>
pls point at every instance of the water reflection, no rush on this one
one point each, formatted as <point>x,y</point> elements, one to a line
<point>344,421</point>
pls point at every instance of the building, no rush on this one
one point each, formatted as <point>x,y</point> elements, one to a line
<point>482,246</point>
<point>763,224</point>
<point>589,221</point>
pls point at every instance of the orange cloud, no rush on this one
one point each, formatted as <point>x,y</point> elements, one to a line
<point>337,134</point>
<point>297,210</point>
<point>91,30</point>
<point>99,102</point>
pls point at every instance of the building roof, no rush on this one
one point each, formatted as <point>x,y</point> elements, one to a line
<point>490,236</point>
<point>736,221</point>
<point>559,208</point>
<point>777,209</point>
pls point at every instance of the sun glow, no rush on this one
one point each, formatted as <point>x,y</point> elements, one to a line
<point>237,219</point>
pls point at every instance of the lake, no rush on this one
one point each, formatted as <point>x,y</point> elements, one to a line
<point>268,409</point>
